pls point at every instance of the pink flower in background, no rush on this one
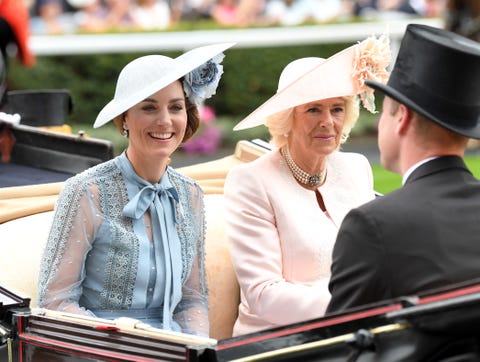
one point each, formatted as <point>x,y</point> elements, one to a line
<point>208,137</point>
<point>207,114</point>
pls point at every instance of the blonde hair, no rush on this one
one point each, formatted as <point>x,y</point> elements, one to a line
<point>280,124</point>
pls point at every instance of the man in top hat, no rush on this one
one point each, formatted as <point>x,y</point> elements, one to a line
<point>424,236</point>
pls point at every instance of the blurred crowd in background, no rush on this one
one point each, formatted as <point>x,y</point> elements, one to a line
<point>21,18</point>
<point>67,16</point>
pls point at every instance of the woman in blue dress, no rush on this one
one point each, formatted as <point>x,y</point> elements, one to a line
<point>127,238</point>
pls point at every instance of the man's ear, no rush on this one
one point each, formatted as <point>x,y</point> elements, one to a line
<point>404,119</point>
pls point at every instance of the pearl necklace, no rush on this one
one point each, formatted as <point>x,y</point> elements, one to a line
<point>300,175</point>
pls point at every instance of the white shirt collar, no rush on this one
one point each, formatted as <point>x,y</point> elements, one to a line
<point>414,167</point>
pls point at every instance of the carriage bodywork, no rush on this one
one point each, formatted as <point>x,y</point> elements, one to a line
<point>438,326</point>
<point>441,325</point>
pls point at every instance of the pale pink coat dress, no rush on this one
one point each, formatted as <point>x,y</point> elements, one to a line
<point>281,241</point>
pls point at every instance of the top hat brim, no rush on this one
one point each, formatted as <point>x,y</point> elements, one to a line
<point>472,131</point>
<point>437,75</point>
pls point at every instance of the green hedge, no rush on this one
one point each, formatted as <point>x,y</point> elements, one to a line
<point>250,77</point>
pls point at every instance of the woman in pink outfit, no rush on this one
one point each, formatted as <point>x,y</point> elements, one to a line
<point>283,210</point>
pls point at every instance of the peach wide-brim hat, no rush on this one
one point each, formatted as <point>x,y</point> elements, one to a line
<point>309,79</point>
<point>147,75</point>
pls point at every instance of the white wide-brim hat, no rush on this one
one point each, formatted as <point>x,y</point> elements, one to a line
<point>309,79</point>
<point>147,75</point>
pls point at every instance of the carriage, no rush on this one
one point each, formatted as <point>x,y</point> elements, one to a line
<point>438,325</point>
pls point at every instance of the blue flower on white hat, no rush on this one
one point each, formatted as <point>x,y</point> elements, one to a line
<point>201,83</point>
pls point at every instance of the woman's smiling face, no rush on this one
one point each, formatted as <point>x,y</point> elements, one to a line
<point>317,127</point>
<point>156,126</point>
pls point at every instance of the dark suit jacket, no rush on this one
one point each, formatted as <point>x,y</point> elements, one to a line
<point>423,236</point>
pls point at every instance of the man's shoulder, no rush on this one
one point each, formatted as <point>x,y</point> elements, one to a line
<point>384,203</point>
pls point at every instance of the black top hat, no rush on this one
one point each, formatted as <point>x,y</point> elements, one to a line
<point>437,74</point>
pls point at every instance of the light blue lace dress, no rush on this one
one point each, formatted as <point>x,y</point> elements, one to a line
<point>120,246</point>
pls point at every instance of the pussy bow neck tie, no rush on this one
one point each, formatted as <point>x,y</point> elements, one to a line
<point>162,199</point>
<point>137,206</point>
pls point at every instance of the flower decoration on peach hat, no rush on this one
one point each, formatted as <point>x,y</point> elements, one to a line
<point>372,57</point>
<point>341,75</point>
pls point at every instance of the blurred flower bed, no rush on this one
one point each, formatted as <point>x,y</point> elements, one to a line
<point>208,138</point>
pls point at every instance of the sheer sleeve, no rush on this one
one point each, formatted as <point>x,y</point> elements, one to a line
<point>62,268</point>
<point>192,312</point>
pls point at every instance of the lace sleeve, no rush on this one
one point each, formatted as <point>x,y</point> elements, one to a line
<point>192,312</point>
<point>62,268</point>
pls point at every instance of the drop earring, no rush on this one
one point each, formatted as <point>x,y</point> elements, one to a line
<point>125,131</point>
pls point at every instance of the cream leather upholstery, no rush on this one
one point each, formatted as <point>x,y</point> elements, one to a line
<point>23,240</point>
<point>24,231</point>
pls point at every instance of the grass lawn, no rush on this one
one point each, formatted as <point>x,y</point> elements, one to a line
<point>386,181</point>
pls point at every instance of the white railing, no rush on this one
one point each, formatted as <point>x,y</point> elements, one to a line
<point>44,45</point>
